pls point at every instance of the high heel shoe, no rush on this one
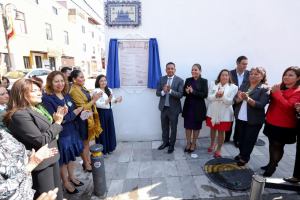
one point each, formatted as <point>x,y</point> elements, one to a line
<point>69,192</point>
<point>267,166</point>
<point>217,155</point>
<point>210,150</point>
<point>269,172</point>
<point>237,158</point>
<point>239,163</point>
<point>290,180</point>
<point>187,150</point>
<point>84,168</point>
<point>77,185</point>
<point>191,151</point>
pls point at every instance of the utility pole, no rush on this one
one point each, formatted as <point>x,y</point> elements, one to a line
<point>7,42</point>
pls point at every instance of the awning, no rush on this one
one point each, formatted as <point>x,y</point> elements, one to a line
<point>94,21</point>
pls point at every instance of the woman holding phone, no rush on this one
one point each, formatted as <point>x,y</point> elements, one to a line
<point>88,128</point>
<point>104,105</point>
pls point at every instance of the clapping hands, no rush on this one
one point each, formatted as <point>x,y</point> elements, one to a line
<point>119,99</point>
<point>275,88</point>
<point>219,94</point>
<point>189,89</point>
<point>243,95</point>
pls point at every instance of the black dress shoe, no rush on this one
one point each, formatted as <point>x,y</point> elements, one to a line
<point>239,163</point>
<point>74,192</point>
<point>77,185</point>
<point>291,181</point>
<point>269,172</point>
<point>236,144</point>
<point>267,166</point>
<point>187,150</point>
<point>164,145</point>
<point>237,158</point>
<point>191,151</point>
<point>171,149</point>
<point>85,168</point>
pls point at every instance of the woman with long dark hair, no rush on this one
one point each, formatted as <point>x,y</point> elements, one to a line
<point>281,120</point>
<point>89,129</point>
<point>31,124</point>
<point>194,109</point>
<point>104,105</point>
<point>219,110</point>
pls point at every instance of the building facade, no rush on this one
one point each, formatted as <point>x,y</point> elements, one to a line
<point>47,36</point>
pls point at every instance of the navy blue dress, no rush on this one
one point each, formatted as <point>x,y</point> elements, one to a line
<point>190,120</point>
<point>83,125</point>
<point>70,142</point>
<point>108,136</point>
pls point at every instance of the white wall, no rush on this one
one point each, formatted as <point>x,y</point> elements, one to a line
<point>214,34</point>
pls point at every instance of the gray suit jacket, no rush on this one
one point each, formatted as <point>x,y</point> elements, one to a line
<point>235,79</point>
<point>175,96</point>
<point>34,131</point>
<point>261,95</point>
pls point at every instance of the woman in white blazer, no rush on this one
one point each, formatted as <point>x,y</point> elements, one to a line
<point>104,104</point>
<point>220,112</point>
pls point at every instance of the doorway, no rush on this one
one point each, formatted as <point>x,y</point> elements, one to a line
<point>38,62</point>
<point>52,63</point>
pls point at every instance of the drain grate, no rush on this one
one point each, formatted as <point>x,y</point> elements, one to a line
<point>226,173</point>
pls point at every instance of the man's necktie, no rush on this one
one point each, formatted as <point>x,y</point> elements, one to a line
<point>167,93</point>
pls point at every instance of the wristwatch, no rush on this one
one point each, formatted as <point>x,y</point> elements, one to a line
<point>248,99</point>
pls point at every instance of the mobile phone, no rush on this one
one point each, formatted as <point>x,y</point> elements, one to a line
<point>86,115</point>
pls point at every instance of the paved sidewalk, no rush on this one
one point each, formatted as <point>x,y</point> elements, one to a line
<point>137,170</point>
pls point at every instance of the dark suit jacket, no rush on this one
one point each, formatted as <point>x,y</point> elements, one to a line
<point>34,131</point>
<point>175,95</point>
<point>235,79</point>
<point>200,93</point>
<point>51,102</point>
<point>261,95</point>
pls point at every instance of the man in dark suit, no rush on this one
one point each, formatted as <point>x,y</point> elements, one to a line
<point>170,91</point>
<point>239,76</point>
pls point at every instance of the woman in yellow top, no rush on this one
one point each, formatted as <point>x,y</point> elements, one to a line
<point>90,128</point>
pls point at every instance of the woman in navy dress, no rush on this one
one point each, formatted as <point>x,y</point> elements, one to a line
<point>104,105</point>
<point>70,143</point>
<point>194,109</point>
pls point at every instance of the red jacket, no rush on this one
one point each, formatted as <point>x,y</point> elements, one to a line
<point>281,111</point>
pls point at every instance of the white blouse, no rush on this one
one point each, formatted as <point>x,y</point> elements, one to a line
<point>100,103</point>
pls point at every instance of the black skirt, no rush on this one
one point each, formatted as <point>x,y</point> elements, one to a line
<point>280,134</point>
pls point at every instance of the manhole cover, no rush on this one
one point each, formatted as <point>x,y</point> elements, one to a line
<point>226,173</point>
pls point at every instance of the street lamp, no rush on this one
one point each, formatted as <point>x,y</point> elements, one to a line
<point>18,17</point>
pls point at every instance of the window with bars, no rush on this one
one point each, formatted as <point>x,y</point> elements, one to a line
<point>83,29</point>
<point>84,47</point>
<point>66,37</point>
<point>92,34</point>
<point>48,32</point>
<point>93,50</point>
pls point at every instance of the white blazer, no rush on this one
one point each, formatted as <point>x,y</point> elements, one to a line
<point>226,113</point>
<point>100,103</point>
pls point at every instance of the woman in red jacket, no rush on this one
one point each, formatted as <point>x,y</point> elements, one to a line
<point>281,119</point>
